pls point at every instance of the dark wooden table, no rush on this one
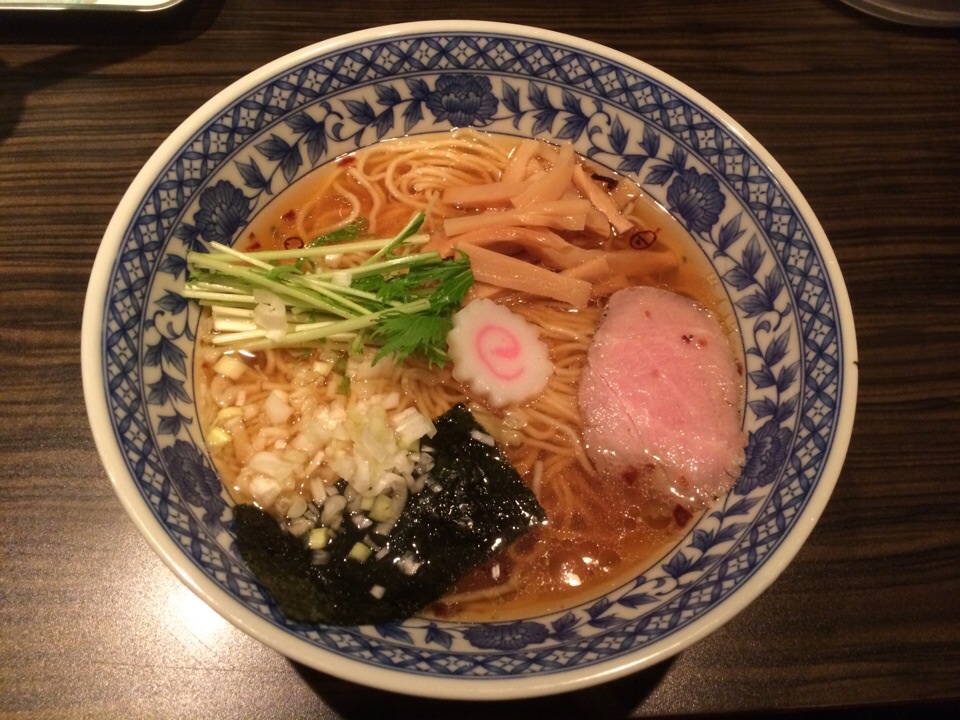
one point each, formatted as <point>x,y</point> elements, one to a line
<point>863,114</point>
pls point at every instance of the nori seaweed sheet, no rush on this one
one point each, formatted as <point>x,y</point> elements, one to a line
<point>480,505</point>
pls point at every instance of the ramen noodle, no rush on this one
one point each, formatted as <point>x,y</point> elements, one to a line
<point>500,201</point>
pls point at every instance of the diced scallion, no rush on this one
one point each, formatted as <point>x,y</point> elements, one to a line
<point>380,510</point>
<point>359,552</point>
<point>318,538</point>
<point>217,438</point>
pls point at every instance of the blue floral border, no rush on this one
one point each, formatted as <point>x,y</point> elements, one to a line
<point>683,156</point>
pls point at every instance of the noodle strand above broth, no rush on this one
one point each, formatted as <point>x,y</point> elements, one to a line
<point>597,533</point>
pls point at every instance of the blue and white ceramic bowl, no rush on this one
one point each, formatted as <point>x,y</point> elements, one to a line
<point>219,168</point>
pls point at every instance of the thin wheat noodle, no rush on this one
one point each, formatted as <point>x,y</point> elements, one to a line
<point>564,406</point>
<point>516,169</point>
<point>376,196</point>
<point>555,465</point>
<point>321,197</point>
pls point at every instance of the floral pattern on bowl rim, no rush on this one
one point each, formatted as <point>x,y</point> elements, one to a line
<point>279,123</point>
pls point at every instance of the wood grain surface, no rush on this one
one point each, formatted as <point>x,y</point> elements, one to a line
<point>863,114</point>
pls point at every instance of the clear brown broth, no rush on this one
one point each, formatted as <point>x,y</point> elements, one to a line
<point>619,529</point>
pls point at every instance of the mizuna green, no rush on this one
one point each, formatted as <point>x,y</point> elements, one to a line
<point>398,298</point>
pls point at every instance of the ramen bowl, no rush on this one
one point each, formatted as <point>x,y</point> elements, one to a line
<point>269,129</point>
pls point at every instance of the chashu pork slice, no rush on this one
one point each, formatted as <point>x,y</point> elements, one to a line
<point>660,397</point>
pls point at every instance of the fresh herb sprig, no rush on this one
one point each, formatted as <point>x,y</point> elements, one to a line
<point>397,298</point>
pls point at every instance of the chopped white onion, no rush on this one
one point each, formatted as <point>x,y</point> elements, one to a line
<point>411,425</point>
<point>483,437</point>
<point>270,314</point>
<point>230,366</point>
<point>332,511</point>
<point>300,526</point>
<point>298,507</point>
<point>340,278</point>
<point>264,490</point>
<point>269,464</point>
<point>408,564</point>
<point>303,441</point>
<point>276,408</point>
